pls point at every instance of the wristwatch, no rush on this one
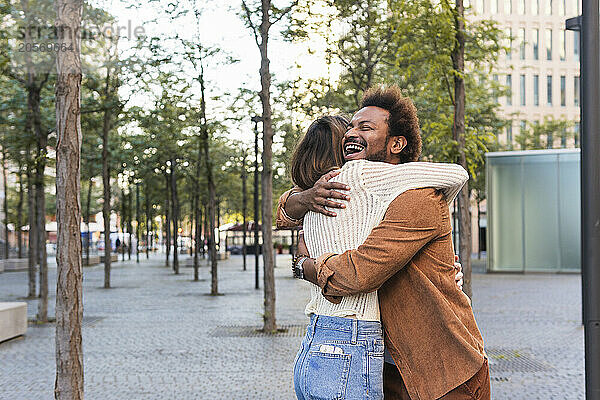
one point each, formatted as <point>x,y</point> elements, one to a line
<point>297,270</point>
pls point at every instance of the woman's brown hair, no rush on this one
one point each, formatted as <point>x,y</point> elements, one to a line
<point>319,151</point>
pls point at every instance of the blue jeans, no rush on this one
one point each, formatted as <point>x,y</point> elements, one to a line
<point>340,358</point>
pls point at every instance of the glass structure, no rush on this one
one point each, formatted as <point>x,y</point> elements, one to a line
<point>534,211</point>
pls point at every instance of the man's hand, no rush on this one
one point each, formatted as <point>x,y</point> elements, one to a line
<point>318,197</point>
<point>459,274</point>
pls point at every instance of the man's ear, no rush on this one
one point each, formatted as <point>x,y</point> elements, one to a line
<point>398,144</point>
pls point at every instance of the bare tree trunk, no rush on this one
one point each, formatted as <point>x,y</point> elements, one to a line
<point>5,205</point>
<point>479,229</point>
<point>40,197</point>
<point>175,218</point>
<point>148,222</point>
<point>69,301</point>
<point>458,130</point>
<point>88,204</point>
<point>197,242</point>
<point>244,208</point>
<point>129,224</point>
<point>197,213</point>
<point>106,189</point>
<point>212,249</point>
<point>123,218</point>
<point>205,235</point>
<point>19,225</point>
<point>33,231</point>
<point>137,223</point>
<point>168,218</point>
<point>270,323</point>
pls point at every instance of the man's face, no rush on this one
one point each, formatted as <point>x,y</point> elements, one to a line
<point>367,136</point>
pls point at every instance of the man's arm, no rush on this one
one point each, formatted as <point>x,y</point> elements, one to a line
<point>411,221</point>
<point>317,198</point>
<point>283,220</point>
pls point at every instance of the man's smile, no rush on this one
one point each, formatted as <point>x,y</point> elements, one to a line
<point>354,150</point>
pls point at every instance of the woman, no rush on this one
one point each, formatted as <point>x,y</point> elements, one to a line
<point>342,353</point>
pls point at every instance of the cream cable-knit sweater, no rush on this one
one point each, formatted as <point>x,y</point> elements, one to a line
<point>373,186</point>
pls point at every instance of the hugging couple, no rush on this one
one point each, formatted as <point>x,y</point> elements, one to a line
<point>387,314</point>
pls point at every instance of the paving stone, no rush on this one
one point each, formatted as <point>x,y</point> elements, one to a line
<point>157,335</point>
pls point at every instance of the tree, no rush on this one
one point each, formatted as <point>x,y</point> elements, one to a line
<point>540,135</point>
<point>458,134</point>
<point>269,15</point>
<point>69,299</point>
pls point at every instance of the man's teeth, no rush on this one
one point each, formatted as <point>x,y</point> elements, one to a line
<point>353,148</point>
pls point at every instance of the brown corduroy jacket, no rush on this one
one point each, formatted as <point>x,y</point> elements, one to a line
<point>429,326</point>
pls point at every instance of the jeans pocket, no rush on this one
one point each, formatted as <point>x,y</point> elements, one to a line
<point>326,375</point>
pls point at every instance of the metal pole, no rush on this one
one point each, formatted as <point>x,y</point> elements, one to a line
<point>256,209</point>
<point>590,194</point>
<point>245,226</point>
<point>590,190</point>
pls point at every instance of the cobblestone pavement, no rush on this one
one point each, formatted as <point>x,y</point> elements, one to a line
<point>157,335</point>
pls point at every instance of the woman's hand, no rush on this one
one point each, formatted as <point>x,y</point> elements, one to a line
<point>302,249</point>
<point>318,197</point>
<point>459,274</point>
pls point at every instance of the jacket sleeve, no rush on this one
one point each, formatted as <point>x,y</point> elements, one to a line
<point>284,221</point>
<point>412,220</point>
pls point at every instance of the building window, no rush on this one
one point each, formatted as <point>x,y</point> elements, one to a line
<point>576,133</point>
<point>536,90</point>
<point>562,5</point>
<point>548,44</point>
<point>494,7</point>
<point>507,7</point>
<point>522,43</point>
<point>509,84</point>
<point>576,91</point>
<point>509,135</point>
<point>535,7</point>
<point>522,91</point>
<point>549,90</point>
<point>563,46</point>
<point>548,7</point>
<point>521,7</point>
<point>563,91</point>
<point>509,46</point>
<point>563,138</point>
<point>576,45</point>
<point>536,44</point>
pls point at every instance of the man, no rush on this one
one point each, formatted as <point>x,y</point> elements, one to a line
<point>430,330</point>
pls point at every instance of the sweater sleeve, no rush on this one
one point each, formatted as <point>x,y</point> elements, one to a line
<point>412,220</point>
<point>284,221</point>
<point>389,180</point>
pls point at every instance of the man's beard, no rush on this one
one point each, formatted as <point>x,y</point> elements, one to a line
<point>381,155</point>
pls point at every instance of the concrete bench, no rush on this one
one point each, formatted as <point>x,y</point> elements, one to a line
<point>13,320</point>
<point>94,259</point>
<point>15,264</point>
<point>113,257</point>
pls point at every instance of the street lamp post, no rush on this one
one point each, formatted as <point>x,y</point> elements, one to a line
<point>244,226</point>
<point>588,24</point>
<point>256,119</point>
